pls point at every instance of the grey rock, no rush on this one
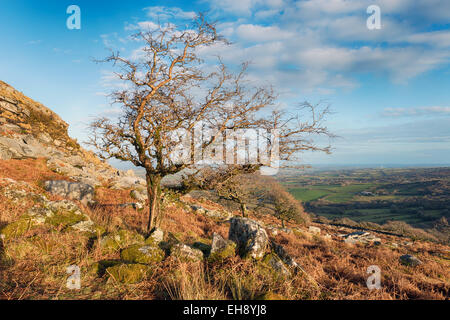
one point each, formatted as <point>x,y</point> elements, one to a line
<point>128,182</point>
<point>410,260</point>
<point>71,190</point>
<point>183,252</point>
<point>9,127</point>
<point>9,106</point>
<point>277,264</point>
<point>221,249</point>
<point>361,237</point>
<point>250,237</point>
<point>156,236</point>
<point>139,196</point>
<point>284,256</point>
<point>21,147</point>
<point>314,230</point>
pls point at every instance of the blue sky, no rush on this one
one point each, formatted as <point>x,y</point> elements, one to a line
<point>388,88</point>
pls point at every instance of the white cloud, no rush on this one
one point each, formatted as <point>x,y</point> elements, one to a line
<point>418,111</point>
<point>251,32</point>
<point>162,13</point>
<point>323,43</point>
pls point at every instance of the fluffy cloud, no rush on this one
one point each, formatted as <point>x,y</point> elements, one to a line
<point>324,43</point>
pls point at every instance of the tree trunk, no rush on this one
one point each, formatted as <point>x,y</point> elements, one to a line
<point>244,210</point>
<point>282,224</point>
<point>154,199</point>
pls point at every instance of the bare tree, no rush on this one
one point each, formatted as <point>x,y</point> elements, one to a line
<point>168,91</point>
<point>285,207</point>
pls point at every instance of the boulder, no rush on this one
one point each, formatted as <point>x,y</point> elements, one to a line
<point>281,252</point>
<point>186,253</point>
<point>410,260</point>
<point>221,249</point>
<point>71,190</point>
<point>155,237</point>
<point>99,268</point>
<point>119,240</point>
<point>144,254</point>
<point>21,147</point>
<point>276,264</point>
<point>250,237</point>
<point>89,228</point>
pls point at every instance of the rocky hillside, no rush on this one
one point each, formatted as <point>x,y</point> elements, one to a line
<point>72,227</point>
<point>29,130</point>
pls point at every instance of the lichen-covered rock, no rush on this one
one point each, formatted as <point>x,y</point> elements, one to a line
<point>221,249</point>
<point>89,228</point>
<point>183,252</point>
<point>18,228</point>
<point>119,240</point>
<point>284,256</point>
<point>250,237</point>
<point>410,260</point>
<point>63,213</point>
<point>128,273</point>
<point>155,237</point>
<point>144,254</point>
<point>55,213</point>
<point>71,190</point>
<point>276,264</point>
<point>99,268</point>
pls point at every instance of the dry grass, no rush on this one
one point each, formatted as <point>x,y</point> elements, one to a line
<point>28,170</point>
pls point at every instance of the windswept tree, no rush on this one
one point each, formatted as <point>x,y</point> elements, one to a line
<point>284,205</point>
<point>168,91</point>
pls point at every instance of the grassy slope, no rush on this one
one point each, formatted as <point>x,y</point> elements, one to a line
<point>337,269</point>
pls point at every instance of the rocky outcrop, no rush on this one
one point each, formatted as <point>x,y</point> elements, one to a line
<point>63,214</point>
<point>221,249</point>
<point>28,129</point>
<point>362,237</point>
<point>250,237</point>
<point>71,190</point>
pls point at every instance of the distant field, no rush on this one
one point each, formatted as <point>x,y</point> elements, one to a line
<point>380,215</point>
<point>417,196</point>
<point>332,193</point>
